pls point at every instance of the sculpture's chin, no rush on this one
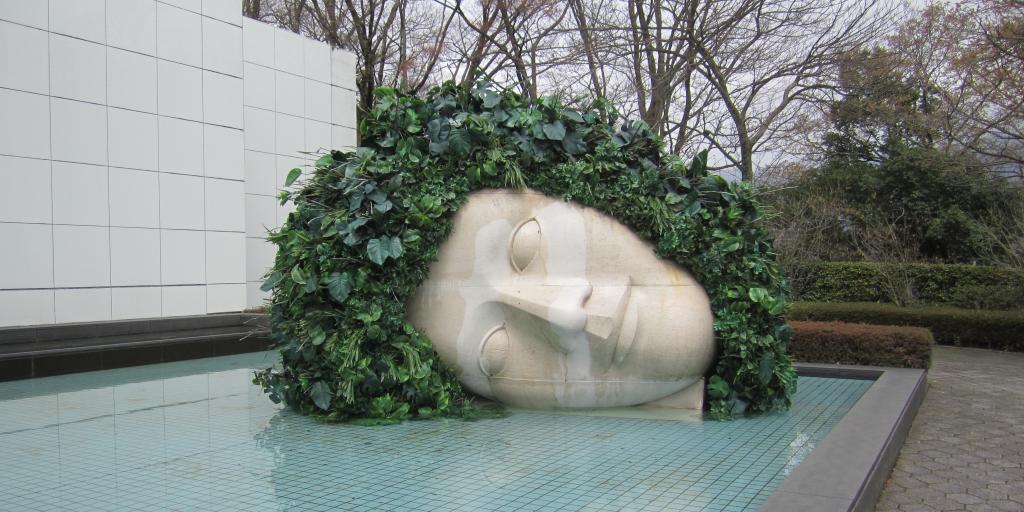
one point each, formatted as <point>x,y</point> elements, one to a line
<point>535,394</point>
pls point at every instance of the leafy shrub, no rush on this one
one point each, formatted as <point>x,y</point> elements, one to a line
<point>368,224</point>
<point>967,286</point>
<point>863,344</point>
<point>1002,330</point>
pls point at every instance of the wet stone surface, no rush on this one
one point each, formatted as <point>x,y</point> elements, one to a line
<point>965,450</point>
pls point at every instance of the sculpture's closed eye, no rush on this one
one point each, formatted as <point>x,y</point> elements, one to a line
<point>525,244</point>
<point>494,352</point>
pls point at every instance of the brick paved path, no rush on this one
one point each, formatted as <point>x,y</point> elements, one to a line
<point>966,447</point>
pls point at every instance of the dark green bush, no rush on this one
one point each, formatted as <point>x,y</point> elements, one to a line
<point>965,286</point>
<point>368,224</point>
<point>863,344</point>
<point>1002,330</point>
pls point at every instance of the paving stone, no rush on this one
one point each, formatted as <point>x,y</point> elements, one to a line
<point>965,450</point>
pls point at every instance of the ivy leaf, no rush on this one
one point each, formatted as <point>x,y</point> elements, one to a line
<point>572,115</point>
<point>758,295</point>
<point>372,316</point>
<point>438,131</point>
<point>554,131</point>
<point>272,281</point>
<point>293,175</point>
<point>693,208</point>
<point>458,141</point>
<point>395,246</point>
<point>490,98</point>
<point>320,392</point>
<point>378,250</point>
<point>298,275</point>
<point>573,143</point>
<point>327,160</point>
<point>339,285</point>
<point>718,388</point>
<point>311,285</point>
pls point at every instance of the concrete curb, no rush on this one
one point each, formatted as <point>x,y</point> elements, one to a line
<point>847,470</point>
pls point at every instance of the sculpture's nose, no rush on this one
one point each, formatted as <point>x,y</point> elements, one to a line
<point>559,303</point>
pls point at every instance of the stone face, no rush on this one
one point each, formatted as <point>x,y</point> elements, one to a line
<point>537,302</point>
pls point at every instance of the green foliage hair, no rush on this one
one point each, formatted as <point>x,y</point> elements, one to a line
<point>368,224</point>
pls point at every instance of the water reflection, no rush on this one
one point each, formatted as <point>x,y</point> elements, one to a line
<point>198,435</point>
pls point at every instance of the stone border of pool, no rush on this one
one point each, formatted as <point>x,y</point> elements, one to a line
<point>847,470</point>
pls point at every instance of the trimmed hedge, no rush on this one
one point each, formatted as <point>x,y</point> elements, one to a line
<point>863,344</point>
<point>965,286</point>
<point>1001,330</point>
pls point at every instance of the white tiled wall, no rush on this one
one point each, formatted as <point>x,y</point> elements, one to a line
<point>142,167</point>
<point>298,100</point>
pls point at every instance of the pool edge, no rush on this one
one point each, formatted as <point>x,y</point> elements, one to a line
<point>848,468</point>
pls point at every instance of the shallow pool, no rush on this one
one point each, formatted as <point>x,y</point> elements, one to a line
<point>197,435</point>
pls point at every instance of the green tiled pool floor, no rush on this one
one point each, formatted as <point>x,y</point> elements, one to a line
<point>197,435</point>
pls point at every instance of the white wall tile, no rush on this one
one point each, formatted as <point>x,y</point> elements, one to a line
<point>318,136</point>
<point>179,35</point>
<point>223,152</point>
<point>225,257</point>
<point>260,176</point>
<point>84,305</point>
<point>224,10</point>
<point>133,138</point>
<point>182,257</point>
<point>24,56</point>
<point>254,297</point>
<point>343,137</point>
<point>181,201</point>
<point>343,107</point>
<point>225,205</point>
<point>222,99</point>
<point>191,5</point>
<point>31,178</point>
<point>221,298</point>
<point>258,130</point>
<point>343,69</point>
<point>79,18</point>
<point>181,146</point>
<point>81,256</point>
<point>131,25</point>
<point>288,94</point>
<point>27,257</point>
<point>290,138</point>
<point>134,256</point>
<point>135,302</point>
<point>78,131</point>
<point>259,257</point>
<point>134,198</point>
<point>26,307</point>
<point>25,125</point>
<point>288,54</point>
<point>317,56</point>
<point>258,42</point>
<point>80,194</point>
<point>222,47</point>
<point>183,300</point>
<point>258,85</point>
<point>260,215</point>
<point>131,80</point>
<point>318,101</point>
<point>27,12</point>
<point>180,91</point>
<point>78,69</point>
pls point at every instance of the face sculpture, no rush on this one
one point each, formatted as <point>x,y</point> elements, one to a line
<point>536,302</point>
